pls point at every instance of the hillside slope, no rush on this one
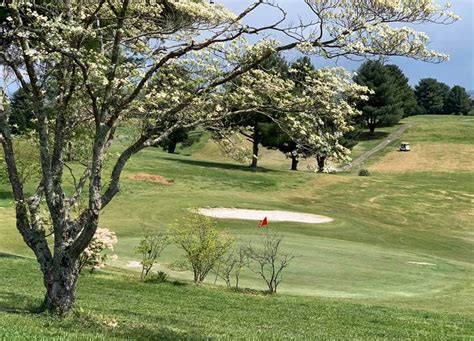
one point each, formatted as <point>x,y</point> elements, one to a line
<point>402,237</point>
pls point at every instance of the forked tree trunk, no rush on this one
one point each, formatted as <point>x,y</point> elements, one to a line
<point>61,282</point>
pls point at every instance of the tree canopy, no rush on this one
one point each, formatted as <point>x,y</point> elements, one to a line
<point>391,99</point>
<point>458,101</point>
<point>431,95</point>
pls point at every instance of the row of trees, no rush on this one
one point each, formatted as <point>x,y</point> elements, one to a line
<point>392,97</point>
<point>434,97</point>
<point>264,127</point>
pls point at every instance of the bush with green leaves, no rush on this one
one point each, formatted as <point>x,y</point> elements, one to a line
<point>203,244</point>
<point>150,248</point>
<point>157,277</point>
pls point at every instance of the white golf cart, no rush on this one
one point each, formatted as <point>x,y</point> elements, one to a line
<point>404,147</point>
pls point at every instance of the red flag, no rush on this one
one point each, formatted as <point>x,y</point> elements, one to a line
<point>263,223</point>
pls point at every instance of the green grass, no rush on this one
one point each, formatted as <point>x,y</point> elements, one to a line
<point>185,311</point>
<point>364,258</point>
<point>367,141</point>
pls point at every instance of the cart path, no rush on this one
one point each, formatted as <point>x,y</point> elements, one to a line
<point>389,139</point>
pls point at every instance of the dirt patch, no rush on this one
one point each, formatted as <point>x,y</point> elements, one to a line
<point>258,215</point>
<point>152,178</point>
<point>447,157</point>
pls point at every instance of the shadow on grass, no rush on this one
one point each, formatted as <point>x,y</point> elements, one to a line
<point>219,165</point>
<point>14,303</point>
<point>7,255</point>
<point>5,195</point>
<point>252,292</point>
<point>367,136</point>
<point>149,328</point>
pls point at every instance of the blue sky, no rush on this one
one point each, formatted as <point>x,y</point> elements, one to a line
<point>457,40</point>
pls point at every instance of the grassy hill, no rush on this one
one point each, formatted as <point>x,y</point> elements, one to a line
<point>115,306</point>
<point>395,262</point>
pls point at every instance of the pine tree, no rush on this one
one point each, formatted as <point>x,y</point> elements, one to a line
<point>431,95</point>
<point>391,99</point>
<point>250,126</point>
<point>21,114</point>
<point>458,101</point>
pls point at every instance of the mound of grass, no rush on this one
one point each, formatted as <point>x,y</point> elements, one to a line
<point>114,305</point>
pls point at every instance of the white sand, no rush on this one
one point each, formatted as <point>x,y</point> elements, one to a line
<point>258,215</point>
<point>134,265</point>
<point>422,263</point>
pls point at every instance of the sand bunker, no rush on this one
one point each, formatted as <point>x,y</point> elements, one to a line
<point>152,178</point>
<point>257,215</point>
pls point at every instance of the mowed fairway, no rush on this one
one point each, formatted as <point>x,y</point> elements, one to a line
<point>402,237</point>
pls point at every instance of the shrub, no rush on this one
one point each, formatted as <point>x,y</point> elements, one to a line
<point>231,265</point>
<point>364,172</point>
<point>268,260</point>
<point>93,256</point>
<point>158,277</point>
<point>202,243</point>
<point>150,248</point>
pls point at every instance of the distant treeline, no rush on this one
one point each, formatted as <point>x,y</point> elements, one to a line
<point>393,98</point>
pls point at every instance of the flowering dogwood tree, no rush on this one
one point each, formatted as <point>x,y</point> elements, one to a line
<point>90,65</point>
<point>94,256</point>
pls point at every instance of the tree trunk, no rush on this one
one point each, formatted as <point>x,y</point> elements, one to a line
<point>371,127</point>
<point>255,143</point>
<point>172,146</point>
<point>68,153</point>
<point>321,160</point>
<point>61,283</point>
<point>294,162</point>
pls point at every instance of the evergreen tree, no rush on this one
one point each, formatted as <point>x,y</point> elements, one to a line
<point>272,136</point>
<point>431,96</point>
<point>21,113</point>
<point>404,91</point>
<point>170,143</point>
<point>458,101</point>
<point>250,126</point>
<point>391,99</point>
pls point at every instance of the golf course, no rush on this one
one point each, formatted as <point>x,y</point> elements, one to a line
<point>396,261</point>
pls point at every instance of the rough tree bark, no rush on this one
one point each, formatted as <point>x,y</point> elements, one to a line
<point>61,283</point>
